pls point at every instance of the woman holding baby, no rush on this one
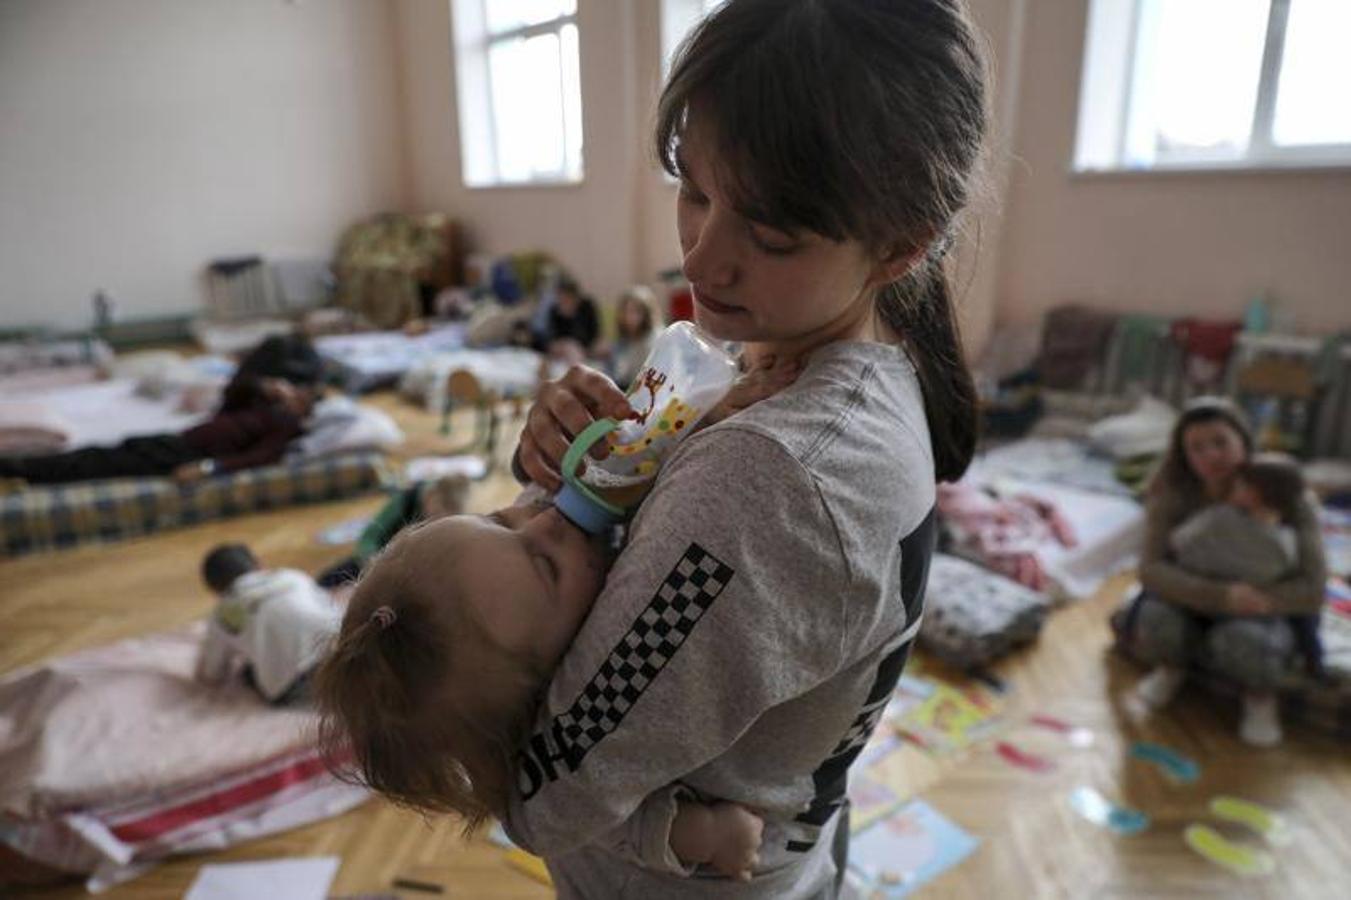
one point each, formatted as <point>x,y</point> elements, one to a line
<point>1232,567</point>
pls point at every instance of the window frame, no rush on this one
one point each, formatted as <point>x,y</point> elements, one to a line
<point>478,123</point>
<point>678,19</point>
<point>1108,79</point>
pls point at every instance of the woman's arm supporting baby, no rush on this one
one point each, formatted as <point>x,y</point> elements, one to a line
<point>723,835</point>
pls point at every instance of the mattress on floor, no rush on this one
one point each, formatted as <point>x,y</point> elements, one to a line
<point>1060,461</point>
<point>114,757</point>
<point>106,412</point>
<point>364,362</point>
<point>31,353</point>
<point>506,371</point>
<point>1324,705</point>
<point>59,516</point>
<point>1107,530</point>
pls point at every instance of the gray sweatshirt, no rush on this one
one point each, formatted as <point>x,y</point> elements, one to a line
<point>1223,542</point>
<point>747,639</point>
<point>1298,593</point>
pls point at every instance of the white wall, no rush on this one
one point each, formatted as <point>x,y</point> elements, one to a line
<point>141,138</point>
<point>595,229</point>
<point>618,227</point>
<point>1193,243</point>
<point>1202,244</point>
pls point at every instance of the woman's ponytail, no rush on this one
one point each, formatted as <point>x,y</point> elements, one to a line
<point>919,308</point>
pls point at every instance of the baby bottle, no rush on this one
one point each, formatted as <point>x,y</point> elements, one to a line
<point>684,376</point>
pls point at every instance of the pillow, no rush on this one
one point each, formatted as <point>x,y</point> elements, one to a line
<point>973,616</point>
<point>341,425</point>
<point>28,429</point>
<point>1142,431</point>
<point>146,364</point>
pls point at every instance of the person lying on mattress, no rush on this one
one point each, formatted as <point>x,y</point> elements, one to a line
<point>277,623</point>
<point>243,437</point>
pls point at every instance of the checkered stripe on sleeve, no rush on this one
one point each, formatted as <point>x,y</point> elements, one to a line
<point>655,637</point>
<point>687,592</point>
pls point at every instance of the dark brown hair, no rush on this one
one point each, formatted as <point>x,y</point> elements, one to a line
<point>413,694</point>
<point>1277,480</point>
<point>225,563</point>
<point>855,119</point>
<point>1174,473</point>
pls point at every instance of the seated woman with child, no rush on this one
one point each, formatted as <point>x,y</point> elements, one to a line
<point>1232,568</point>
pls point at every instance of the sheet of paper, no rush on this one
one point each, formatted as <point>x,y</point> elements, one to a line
<point>427,468</point>
<point>295,879</point>
<point>939,717</point>
<point>906,850</point>
<point>344,532</point>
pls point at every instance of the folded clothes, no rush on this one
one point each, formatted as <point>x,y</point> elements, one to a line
<point>1004,532</point>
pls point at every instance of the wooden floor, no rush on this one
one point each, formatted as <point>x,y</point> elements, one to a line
<point>1032,844</point>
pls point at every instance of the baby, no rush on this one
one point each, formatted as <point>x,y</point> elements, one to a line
<point>1250,539</point>
<point>277,622</point>
<point>449,640</point>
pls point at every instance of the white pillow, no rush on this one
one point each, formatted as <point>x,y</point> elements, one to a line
<point>1144,430</point>
<point>341,425</point>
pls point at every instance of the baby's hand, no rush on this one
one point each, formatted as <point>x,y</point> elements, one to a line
<point>736,840</point>
<point>767,377</point>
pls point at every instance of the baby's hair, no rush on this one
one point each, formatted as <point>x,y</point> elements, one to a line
<point>1277,480</point>
<point>407,694</point>
<point>225,563</point>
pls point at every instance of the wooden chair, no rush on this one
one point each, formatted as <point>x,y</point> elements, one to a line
<point>1291,383</point>
<point>463,388</point>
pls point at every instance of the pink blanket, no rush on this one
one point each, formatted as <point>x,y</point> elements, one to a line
<point>114,758</point>
<point>1005,533</point>
<point>116,722</point>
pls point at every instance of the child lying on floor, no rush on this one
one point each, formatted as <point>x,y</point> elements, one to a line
<point>1250,539</point>
<point>420,501</point>
<point>450,638</point>
<point>277,622</point>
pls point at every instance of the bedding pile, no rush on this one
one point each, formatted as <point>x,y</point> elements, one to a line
<point>114,758</point>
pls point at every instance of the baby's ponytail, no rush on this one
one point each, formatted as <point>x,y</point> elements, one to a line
<point>416,702</point>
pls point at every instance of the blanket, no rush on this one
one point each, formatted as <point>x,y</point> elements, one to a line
<point>115,756</point>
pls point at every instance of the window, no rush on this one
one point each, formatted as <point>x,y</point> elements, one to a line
<point>1183,84</point>
<point>678,18</point>
<point>520,98</point>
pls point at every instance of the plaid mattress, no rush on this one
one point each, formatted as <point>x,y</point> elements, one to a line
<point>1324,705</point>
<point>51,518</point>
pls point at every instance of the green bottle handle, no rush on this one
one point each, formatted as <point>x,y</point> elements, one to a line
<point>573,458</point>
